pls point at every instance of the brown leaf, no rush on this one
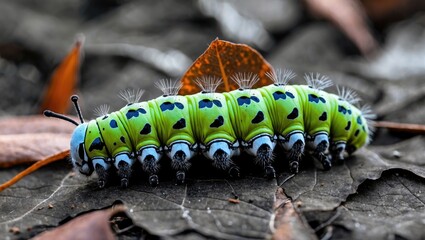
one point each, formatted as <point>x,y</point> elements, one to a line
<point>94,225</point>
<point>224,59</point>
<point>350,17</point>
<point>63,81</point>
<point>34,124</point>
<point>289,223</point>
<point>29,148</point>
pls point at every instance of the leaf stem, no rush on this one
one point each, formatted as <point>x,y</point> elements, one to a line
<point>33,168</point>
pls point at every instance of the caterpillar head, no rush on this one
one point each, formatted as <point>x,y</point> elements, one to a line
<point>79,156</point>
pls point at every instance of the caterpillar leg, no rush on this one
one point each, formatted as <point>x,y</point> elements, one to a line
<point>337,151</point>
<point>320,144</point>
<point>220,153</point>
<point>123,163</point>
<point>180,155</point>
<point>294,145</point>
<point>102,169</point>
<point>149,158</point>
<point>262,148</point>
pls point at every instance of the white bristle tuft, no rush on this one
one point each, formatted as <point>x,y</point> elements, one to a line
<point>245,80</point>
<point>281,77</point>
<point>131,95</point>
<point>348,95</point>
<point>169,87</point>
<point>101,110</point>
<point>317,81</point>
<point>208,84</point>
<point>368,114</point>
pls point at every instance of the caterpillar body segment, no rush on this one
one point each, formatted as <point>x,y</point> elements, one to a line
<point>174,126</point>
<point>250,119</point>
<point>220,126</point>
<point>283,105</point>
<point>213,130</point>
<point>137,120</point>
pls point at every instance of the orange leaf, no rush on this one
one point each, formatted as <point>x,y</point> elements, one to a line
<point>63,81</point>
<point>224,59</point>
<point>94,225</point>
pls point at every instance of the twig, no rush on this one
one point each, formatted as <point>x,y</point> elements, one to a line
<point>401,127</point>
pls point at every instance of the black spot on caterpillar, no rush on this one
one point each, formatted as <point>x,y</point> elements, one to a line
<point>97,144</point>
<point>323,117</point>
<point>293,114</point>
<point>348,126</point>
<point>146,129</point>
<point>180,124</point>
<point>258,118</point>
<point>217,122</point>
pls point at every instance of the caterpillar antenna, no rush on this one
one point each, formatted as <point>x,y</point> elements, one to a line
<point>49,113</point>
<point>74,99</point>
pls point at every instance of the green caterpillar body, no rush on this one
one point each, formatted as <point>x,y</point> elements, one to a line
<point>220,125</point>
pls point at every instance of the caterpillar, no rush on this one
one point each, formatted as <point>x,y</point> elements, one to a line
<point>220,126</point>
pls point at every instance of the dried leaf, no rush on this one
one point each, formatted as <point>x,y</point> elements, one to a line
<point>289,223</point>
<point>224,59</point>
<point>94,225</point>
<point>324,191</point>
<point>28,148</point>
<point>63,81</point>
<point>391,207</point>
<point>34,124</point>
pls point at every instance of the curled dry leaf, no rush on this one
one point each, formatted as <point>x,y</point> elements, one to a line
<point>223,60</point>
<point>94,225</point>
